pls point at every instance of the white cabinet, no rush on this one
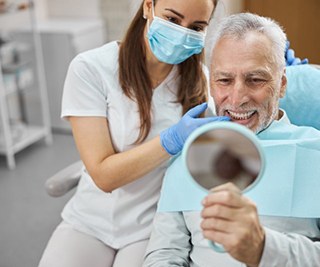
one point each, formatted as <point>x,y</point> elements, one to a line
<point>62,39</point>
<point>22,86</point>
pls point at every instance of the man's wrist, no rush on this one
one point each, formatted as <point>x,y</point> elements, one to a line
<point>256,257</point>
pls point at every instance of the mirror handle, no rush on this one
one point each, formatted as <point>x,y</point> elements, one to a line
<point>216,247</point>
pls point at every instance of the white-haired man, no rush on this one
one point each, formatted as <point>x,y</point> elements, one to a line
<point>248,78</point>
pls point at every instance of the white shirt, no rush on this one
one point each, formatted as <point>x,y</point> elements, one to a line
<point>92,89</point>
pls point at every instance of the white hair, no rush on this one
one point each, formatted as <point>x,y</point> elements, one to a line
<point>239,25</point>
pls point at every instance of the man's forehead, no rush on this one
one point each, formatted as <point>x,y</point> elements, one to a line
<point>252,45</point>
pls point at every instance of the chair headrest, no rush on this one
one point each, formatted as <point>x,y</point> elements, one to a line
<point>302,99</point>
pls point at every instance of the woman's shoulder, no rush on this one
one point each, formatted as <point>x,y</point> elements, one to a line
<point>101,58</point>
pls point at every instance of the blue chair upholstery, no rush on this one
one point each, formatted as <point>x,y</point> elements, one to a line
<point>302,99</point>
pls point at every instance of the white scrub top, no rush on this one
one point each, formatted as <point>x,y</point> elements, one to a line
<point>92,88</point>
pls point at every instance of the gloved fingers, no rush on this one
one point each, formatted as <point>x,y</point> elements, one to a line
<point>291,60</point>
<point>290,56</point>
<point>197,110</point>
<point>296,61</point>
<point>287,45</point>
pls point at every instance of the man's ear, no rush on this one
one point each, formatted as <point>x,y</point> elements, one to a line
<point>147,9</point>
<point>284,83</point>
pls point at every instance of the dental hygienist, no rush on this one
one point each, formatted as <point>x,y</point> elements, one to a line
<point>125,101</point>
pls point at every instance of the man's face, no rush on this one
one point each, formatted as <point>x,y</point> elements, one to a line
<point>245,82</point>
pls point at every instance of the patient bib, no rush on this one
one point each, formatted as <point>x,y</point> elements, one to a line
<point>289,186</point>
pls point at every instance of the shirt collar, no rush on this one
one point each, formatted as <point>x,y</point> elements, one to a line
<point>284,117</point>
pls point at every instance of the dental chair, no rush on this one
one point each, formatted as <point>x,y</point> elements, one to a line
<point>65,180</point>
<point>301,104</point>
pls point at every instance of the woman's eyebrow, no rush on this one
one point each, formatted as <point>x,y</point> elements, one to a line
<point>175,12</point>
<point>182,16</point>
<point>201,22</point>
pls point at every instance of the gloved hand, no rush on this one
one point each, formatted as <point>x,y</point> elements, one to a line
<point>173,138</point>
<point>291,60</point>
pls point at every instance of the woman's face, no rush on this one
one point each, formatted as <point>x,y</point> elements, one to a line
<point>192,14</point>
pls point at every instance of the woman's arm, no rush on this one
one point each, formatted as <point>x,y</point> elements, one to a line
<point>109,169</point>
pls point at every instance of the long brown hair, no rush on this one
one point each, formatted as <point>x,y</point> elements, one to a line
<point>136,83</point>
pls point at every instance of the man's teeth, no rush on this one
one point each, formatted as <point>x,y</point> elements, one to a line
<point>241,116</point>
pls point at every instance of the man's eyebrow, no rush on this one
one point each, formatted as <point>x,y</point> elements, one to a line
<point>258,72</point>
<point>223,73</point>
<point>182,16</point>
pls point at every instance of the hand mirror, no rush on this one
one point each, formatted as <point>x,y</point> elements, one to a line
<point>223,152</point>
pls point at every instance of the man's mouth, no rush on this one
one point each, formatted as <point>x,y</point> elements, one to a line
<point>240,116</point>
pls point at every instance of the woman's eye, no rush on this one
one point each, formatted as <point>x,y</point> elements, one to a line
<point>173,20</point>
<point>197,28</point>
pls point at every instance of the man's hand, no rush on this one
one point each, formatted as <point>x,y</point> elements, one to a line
<point>231,219</point>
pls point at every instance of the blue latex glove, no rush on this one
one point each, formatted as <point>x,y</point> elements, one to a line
<point>291,60</point>
<point>173,138</point>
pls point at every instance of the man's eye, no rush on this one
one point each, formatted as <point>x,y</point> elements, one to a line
<point>256,81</point>
<point>224,81</point>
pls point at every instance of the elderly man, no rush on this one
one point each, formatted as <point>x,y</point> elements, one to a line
<point>248,77</point>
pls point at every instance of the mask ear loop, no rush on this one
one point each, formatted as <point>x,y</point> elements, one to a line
<point>152,10</point>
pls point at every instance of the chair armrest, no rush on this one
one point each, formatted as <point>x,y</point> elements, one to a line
<point>63,181</point>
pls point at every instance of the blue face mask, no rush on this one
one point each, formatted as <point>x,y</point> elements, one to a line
<point>172,43</point>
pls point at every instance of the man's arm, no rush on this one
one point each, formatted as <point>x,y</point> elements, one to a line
<point>231,219</point>
<point>169,243</point>
<point>289,250</point>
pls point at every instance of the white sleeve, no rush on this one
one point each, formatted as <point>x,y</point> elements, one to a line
<point>169,244</point>
<point>289,250</point>
<point>84,93</point>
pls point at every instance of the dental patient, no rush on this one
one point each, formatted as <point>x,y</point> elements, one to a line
<point>247,80</point>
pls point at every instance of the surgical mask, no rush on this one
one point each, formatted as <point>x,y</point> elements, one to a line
<point>172,43</point>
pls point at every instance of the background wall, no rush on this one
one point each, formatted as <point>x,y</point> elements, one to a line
<point>116,14</point>
<point>300,19</point>
<point>41,9</point>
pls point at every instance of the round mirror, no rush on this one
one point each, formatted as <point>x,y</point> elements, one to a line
<point>224,152</point>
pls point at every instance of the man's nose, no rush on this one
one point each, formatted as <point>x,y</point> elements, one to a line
<point>239,94</point>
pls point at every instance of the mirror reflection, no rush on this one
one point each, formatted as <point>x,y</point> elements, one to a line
<point>223,155</point>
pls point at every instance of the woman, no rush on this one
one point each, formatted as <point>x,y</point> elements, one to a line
<point>121,100</point>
